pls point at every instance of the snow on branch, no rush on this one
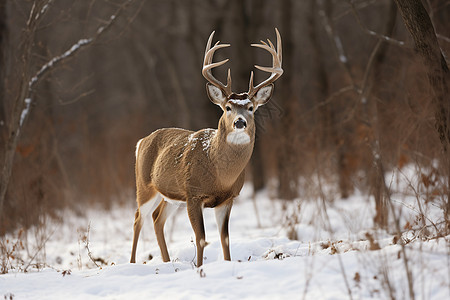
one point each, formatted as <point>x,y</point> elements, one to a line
<point>52,63</point>
<point>47,66</point>
<point>43,9</point>
<point>38,10</point>
<point>25,111</point>
<point>75,47</point>
<point>336,40</point>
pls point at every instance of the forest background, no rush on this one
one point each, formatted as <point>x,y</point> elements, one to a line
<point>364,91</point>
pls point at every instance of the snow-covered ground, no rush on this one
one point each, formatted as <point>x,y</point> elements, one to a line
<point>337,254</point>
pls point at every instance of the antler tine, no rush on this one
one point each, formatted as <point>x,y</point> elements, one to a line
<point>279,47</point>
<point>208,65</point>
<point>208,44</point>
<point>275,70</point>
<point>270,43</point>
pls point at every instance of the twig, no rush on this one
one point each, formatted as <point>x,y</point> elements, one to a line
<point>419,213</point>
<point>359,5</point>
<point>82,95</point>
<point>82,43</point>
<point>87,245</point>
<point>329,99</point>
<point>442,37</point>
<point>417,196</point>
<point>327,223</point>
<point>403,250</point>
<point>373,33</point>
<point>362,91</point>
<point>336,40</point>
<point>38,11</point>
<point>41,246</point>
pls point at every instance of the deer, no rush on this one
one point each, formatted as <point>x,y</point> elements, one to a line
<point>205,168</point>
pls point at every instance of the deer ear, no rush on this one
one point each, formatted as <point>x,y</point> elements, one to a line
<point>263,95</point>
<point>215,94</point>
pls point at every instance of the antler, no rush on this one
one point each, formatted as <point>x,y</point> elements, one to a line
<point>208,65</point>
<point>275,70</point>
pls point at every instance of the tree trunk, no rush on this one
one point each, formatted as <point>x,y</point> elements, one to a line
<point>378,184</point>
<point>256,163</point>
<point>342,133</point>
<point>326,131</point>
<point>288,168</point>
<point>426,44</point>
<point>16,117</point>
<point>3,40</point>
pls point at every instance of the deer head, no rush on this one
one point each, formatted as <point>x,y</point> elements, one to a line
<point>239,109</point>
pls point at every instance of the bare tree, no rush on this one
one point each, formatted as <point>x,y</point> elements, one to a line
<point>287,158</point>
<point>426,44</point>
<point>22,104</point>
<point>371,118</point>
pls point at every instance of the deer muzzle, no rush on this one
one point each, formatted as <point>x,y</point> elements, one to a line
<point>240,123</point>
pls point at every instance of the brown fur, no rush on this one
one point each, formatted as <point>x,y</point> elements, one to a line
<point>179,164</point>
<point>203,168</point>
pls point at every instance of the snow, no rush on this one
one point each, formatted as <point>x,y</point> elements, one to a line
<point>204,136</point>
<point>192,139</point>
<point>25,111</point>
<point>330,258</point>
<point>47,66</point>
<point>340,49</point>
<point>207,137</point>
<point>240,102</point>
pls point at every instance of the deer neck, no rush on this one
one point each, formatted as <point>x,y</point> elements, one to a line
<point>230,158</point>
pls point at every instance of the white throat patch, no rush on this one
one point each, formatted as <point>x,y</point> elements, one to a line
<point>238,137</point>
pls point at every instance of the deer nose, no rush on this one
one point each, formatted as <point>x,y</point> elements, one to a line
<point>240,123</point>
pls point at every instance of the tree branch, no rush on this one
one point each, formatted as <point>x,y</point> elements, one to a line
<point>82,43</point>
<point>370,32</point>
<point>336,40</point>
<point>24,100</point>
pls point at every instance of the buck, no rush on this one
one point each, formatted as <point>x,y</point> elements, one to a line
<point>203,168</point>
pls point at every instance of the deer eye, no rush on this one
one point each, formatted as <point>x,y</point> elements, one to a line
<point>250,108</point>
<point>228,108</point>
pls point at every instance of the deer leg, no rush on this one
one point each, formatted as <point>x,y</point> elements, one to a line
<point>160,215</point>
<point>222,213</point>
<point>195,213</point>
<point>141,212</point>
